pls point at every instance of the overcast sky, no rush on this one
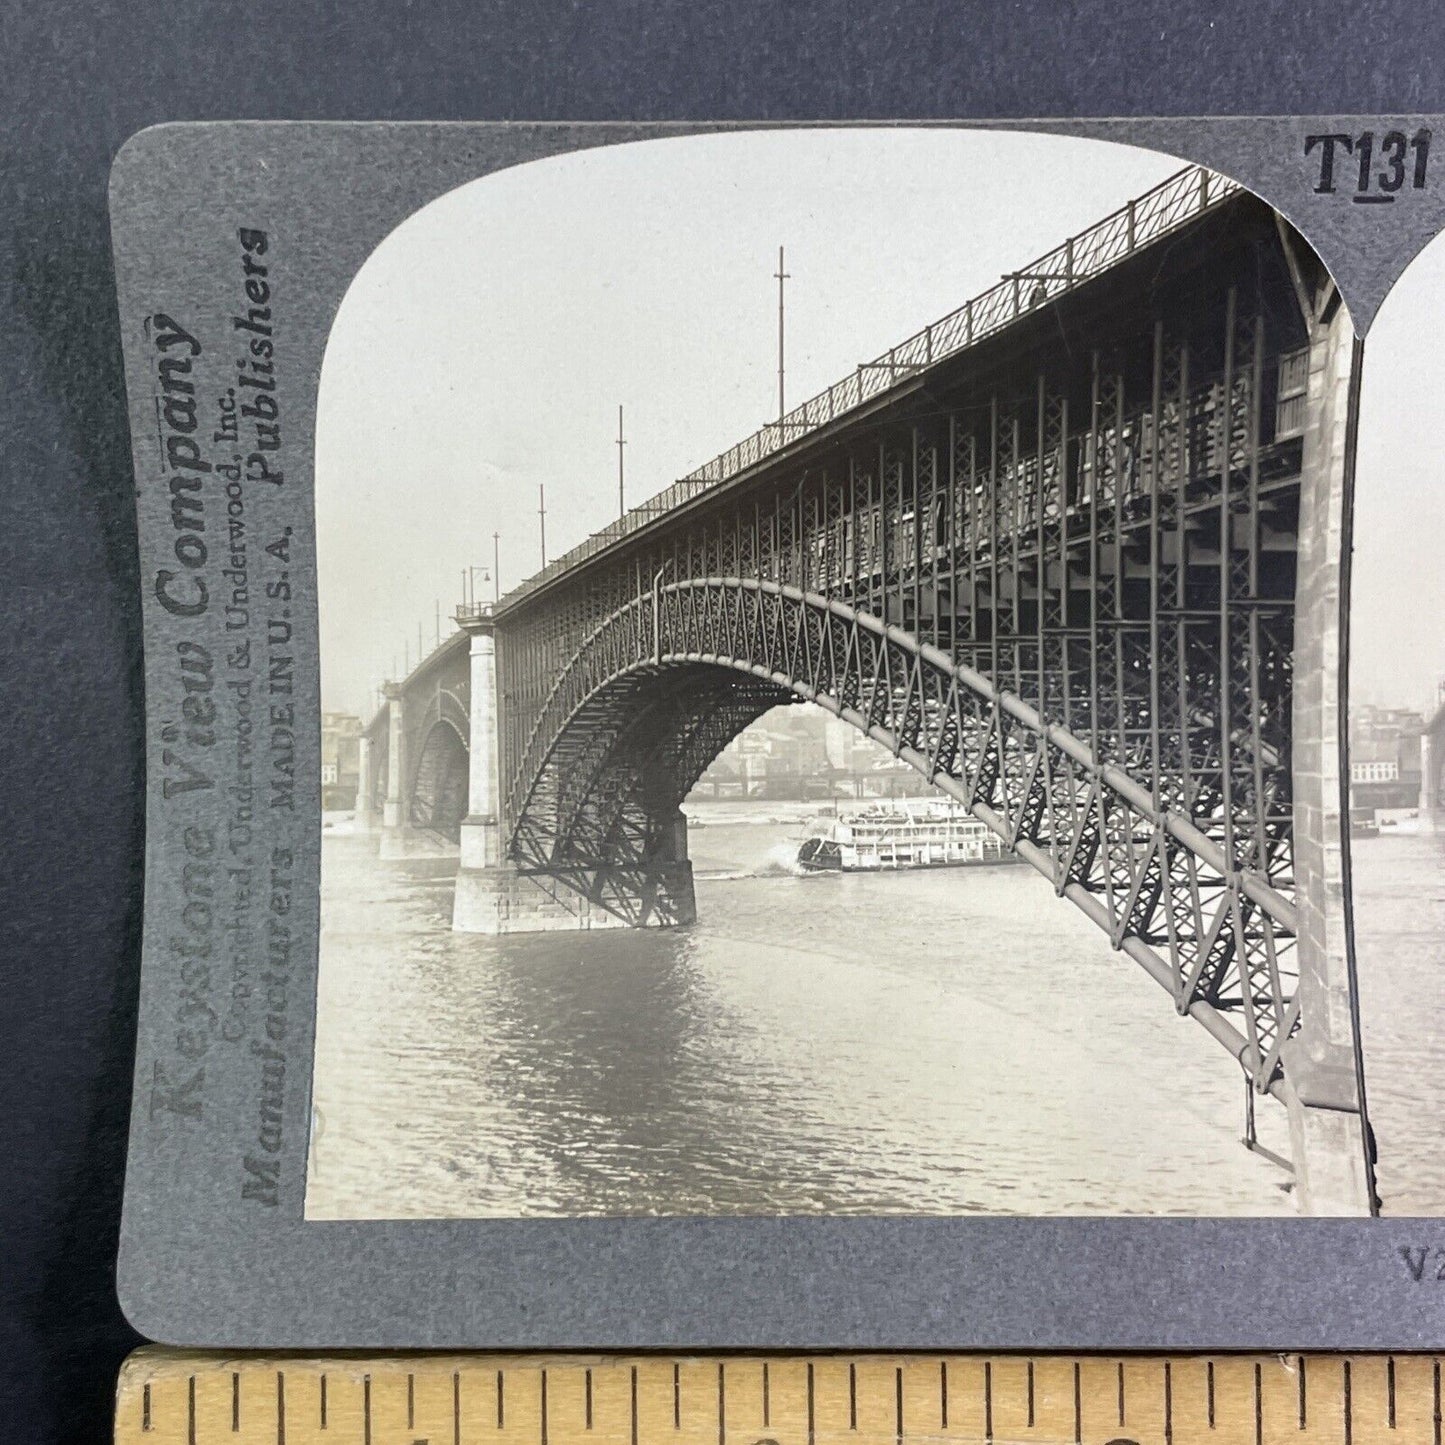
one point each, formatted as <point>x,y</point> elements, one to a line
<point>1397,655</point>
<point>486,345</point>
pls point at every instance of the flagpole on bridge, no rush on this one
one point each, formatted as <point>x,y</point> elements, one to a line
<point>542,518</point>
<point>497,566</point>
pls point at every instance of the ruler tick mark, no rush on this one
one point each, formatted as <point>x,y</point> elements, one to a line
<point>587,1398</point>
<point>501,1402</point>
<point>1168,1405</point>
<point>898,1404</point>
<point>410,1401</point>
<point>456,1407</point>
<point>1078,1407</point>
<point>988,1401</point>
<point>634,1399</point>
<point>1121,1391</point>
<point>722,1403</point>
<point>1258,1408</point>
<point>1349,1406</point>
<point>943,1393</point>
<point>812,1419</point>
<point>853,1397</point>
<point>767,1403</point>
<point>280,1407</point>
<point>323,1402</point>
<point>366,1409</point>
<point>1303,1390</point>
<point>1390,1388</point>
<point>1209,1390</point>
<point>542,1392</point>
<point>1436,1373</point>
<point>676,1396</point>
<point>1031,1394</point>
<point>235,1401</point>
<point>145,1401</point>
<point>191,1411</point>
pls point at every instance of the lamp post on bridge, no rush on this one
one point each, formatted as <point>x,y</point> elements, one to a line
<point>621,442</point>
<point>782,276</point>
<point>469,584</point>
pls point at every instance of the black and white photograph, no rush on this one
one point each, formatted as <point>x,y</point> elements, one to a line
<point>831,690</point>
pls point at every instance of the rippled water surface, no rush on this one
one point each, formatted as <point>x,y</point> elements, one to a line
<point>1399,881</point>
<point>944,1042</point>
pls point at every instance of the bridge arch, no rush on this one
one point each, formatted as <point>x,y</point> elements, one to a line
<point>438,795</point>
<point>664,683</point>
<point>603,812</point>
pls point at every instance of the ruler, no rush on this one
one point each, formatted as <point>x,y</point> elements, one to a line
<point>173,1397</point>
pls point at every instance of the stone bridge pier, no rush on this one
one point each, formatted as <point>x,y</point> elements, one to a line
<point>1432,757</point>
<point>366,820</point>
<point>395,819</point>
<point>1324,1093</point>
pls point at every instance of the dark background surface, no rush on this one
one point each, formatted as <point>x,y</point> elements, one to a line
<point>75,81</point>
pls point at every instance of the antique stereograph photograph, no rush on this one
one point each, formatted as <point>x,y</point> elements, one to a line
<point>872,674</point>
<point>833,712</point>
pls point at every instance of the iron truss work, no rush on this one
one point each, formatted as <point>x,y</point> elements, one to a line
<point>603,810</point>
<point>1054,572</point>
<point>1220,939</point>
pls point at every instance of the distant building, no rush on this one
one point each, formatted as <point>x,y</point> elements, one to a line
<point>340,760</point>
<point>1377,770</point>
<point>1385,757</point>
<point>803,753</point>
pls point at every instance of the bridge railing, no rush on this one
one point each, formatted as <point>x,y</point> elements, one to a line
<point>1173,203</point>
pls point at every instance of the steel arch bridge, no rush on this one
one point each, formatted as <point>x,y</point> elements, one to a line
<point>1150,876</point>
<point>1072,553</point>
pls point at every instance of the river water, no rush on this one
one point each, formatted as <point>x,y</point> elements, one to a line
<point>946,1042</point>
